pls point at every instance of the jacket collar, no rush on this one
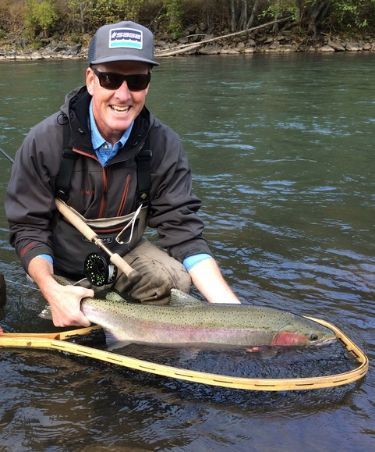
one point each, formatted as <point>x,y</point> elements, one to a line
<point>76,108</point>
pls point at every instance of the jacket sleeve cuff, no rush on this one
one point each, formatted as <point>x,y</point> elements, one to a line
<point>189,248</point>
<point>29,252</point>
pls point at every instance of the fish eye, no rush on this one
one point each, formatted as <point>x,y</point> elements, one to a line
<point>314,337</point>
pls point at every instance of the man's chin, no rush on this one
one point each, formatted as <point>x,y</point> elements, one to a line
<point>120,125</point>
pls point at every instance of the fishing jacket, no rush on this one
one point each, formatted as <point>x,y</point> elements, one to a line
<point>99,193</point>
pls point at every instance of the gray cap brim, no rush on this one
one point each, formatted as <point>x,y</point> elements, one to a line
<point>113,58</point>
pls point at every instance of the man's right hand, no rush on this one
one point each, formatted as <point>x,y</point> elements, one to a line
<point>65,301</point>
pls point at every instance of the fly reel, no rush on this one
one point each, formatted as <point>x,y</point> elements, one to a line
<point>98,270</point>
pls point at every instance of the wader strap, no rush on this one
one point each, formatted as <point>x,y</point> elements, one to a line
<point>64,177</point>
<point>143,160</point>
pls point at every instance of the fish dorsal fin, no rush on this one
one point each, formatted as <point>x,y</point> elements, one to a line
<point>114,296</point>
<point>182,299</point>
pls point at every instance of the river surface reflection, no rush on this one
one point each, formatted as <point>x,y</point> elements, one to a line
<point>281,149</point>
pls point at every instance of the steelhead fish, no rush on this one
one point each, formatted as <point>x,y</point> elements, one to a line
<point>187,321</point>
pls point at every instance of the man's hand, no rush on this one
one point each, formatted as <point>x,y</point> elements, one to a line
<point>65,301</point>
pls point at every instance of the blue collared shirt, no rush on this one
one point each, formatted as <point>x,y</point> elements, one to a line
<point>105,151</point>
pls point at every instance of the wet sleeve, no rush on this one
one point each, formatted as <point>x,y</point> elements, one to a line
<point>30,201</point>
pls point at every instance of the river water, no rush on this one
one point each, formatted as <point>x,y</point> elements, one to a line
<point>281,149</point>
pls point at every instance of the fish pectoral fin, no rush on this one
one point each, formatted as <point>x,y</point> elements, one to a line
<point>264,351</point>
<point>113,342</point>
<point>114,296</point>
<point>118,344</point>
<point>189,354</point>
<point>45,313</point>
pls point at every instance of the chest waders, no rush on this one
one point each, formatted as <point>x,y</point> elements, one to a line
<point>133,225</point>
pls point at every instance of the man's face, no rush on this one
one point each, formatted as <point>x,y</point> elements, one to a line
<point>114,110</point>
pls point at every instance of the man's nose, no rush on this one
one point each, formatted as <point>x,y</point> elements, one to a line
<point>123,91</point>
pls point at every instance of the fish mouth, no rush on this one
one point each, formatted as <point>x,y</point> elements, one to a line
<point>322,341</point>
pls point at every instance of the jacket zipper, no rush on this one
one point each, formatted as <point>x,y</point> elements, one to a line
<point>124,196</point>
<point>103,201</point>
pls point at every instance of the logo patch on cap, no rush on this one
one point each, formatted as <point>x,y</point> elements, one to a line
<point>125,37</point>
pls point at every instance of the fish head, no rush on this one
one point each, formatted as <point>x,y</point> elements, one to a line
<point>304,332</point>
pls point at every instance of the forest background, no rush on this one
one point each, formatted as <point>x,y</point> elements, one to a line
<point>35,23</point>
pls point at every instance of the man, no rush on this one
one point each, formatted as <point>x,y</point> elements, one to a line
<point>122,168</point>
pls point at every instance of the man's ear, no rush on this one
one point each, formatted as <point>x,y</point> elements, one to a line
<point>90,80</point>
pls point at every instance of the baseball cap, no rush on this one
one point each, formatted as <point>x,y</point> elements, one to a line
<point>123,41</point>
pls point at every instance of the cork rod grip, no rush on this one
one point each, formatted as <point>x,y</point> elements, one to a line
<point>69,214</point>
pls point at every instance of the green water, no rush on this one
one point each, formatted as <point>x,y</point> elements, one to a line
<point>281,149</point>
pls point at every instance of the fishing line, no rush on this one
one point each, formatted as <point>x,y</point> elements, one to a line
<point>16,283</point>
<point>11,159</point>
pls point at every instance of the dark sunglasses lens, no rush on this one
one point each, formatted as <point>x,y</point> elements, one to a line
<point>136,82</point>
<point>110,81</point>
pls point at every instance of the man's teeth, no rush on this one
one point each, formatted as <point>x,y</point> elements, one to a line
<point>121,109</point>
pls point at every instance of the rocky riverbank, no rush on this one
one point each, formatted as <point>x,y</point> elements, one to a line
<point>192,45</point>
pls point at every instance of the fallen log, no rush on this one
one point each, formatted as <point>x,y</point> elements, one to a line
<point>184,48</point>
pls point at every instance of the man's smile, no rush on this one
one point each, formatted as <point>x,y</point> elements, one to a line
<point>120,109</point>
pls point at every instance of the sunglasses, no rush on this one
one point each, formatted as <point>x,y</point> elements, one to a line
<point>112,80</point>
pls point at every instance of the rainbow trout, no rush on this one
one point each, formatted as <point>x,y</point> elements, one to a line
<point>187,321</point>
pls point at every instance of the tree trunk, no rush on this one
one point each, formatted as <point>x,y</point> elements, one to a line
<point>243,16</point>
<point>275,28</point>
<point>82,17</point>
<point>299,10</point>
<point>317,14</point>
<point>253,12</point>
<point>233,15</point>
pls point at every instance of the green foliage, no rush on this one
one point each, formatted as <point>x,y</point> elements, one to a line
<point>277,8</point>
<point>87,15</point>
<point>83,17</point>
<point>352,14</point>
<point>174,14</point>
<point>40,16</point>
